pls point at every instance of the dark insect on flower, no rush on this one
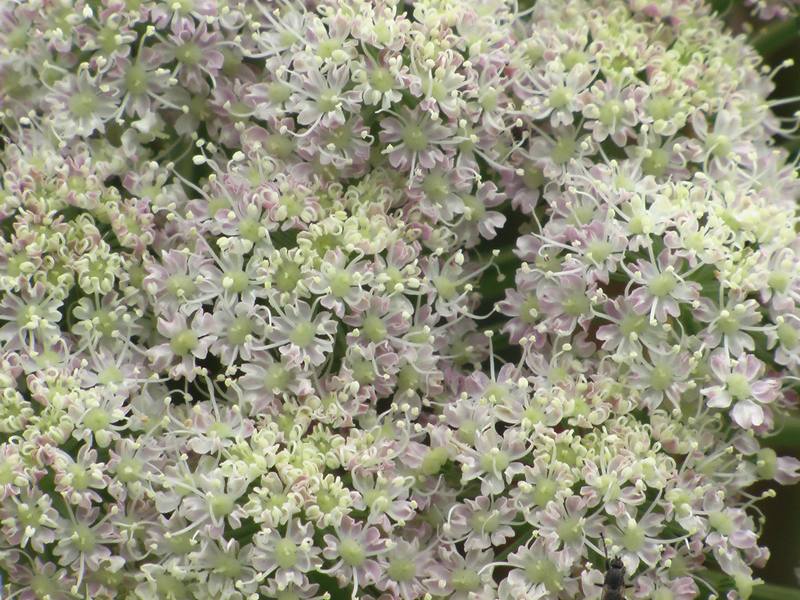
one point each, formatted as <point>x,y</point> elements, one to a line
<point>614,580</point>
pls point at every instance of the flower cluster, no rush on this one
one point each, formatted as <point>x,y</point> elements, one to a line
<point>388,300</point>
<point>774,9</point>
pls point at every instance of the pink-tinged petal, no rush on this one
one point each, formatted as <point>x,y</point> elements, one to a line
<point>720,364</point>
<point>765,390</point>
<point>640,300</point>
<point>717,396</point>
<point>743,538</point>
<point>788,472</point>
<point>747,414</point>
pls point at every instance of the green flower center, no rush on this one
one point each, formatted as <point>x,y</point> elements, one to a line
<point>136,79</point>
<point>656,163</point>
<point>286,554</point>
<point>631,324</point>
<point>276,378</point>
<point>328,101</point>
<point>465,580</point>
<point>85,539</point>
<point>436,186</point>
<point>227,566</point>
<point>189,54</point>
<point>721,522</point>
<point>569,530</point>
<point>661,377</point>
<point>495,461</point>
<point>446,287</point>
<point>778,281</point>
<point>302,335</point>
<point>374,328</point>
<point>788,336</point>
<point>576,304</point>
<point>719,145</point>
<point>467,431</point>
<point>767,463</point>
<point>237,281</point>
<point>633,538</point>
<point>381,80</point>
<point>433,461</point>
<point>483,522</point>
<point>278,92</point>
<point>183,343</point>
<point>129,470</point>
<point>83,104</point>
<point>543,571</point>
<point>239,330</point>
<point>544,491</point>
<point>564,149</point>
<point>414,138</point>
<point>352,553</point>
<point>738,386</point>
<point>559,97</point>
<point>110,375</point>
<point>181,285</point>
<point>97,419</point>
<point>401,569</point>
<point>532,177</point>
<point>728,324</point>
<point>170,587</point>
<point>662,284</point>
<point>340,283</point>
<point>610,112</point>
<point>221,505</point>
<point>475,210</point>
<point>287,277</point>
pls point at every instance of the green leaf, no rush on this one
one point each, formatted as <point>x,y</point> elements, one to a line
<point>788,433</point>
<point>765,591</point>
<point>774,37</point>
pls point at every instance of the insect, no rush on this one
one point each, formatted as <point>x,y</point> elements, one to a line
<point>614,581</point>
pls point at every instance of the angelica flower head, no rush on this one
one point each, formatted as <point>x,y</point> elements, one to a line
<point>389,299</point>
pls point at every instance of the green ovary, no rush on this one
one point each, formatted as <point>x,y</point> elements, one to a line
<point>286,554</point>
<point>340,284</point>
<point>576,304</point>
<point>661,377</point>
<point>401,569</point>
<point>559,97</point>
<point>302,335</point>
<point>738,386</point>
<point>433,461</point>
<point>465,580</point>
<point>563,150</point>
<point>83,104</point>
<point>544,491</point>
<point>221,506</point>
<point>662,285</point>
<point>189,54</point>
<point>352,553</point>
<point>239,330</point>
<point>97,419</point>
<point>569,530</point>
<point>633,538</point>
<point>495,462</point>
<point>788,336</point>
<point>414,138</point>
<point>543,571</point>
<point>183,343</point>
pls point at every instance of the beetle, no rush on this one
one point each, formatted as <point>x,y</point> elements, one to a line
<point>614,580</point>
